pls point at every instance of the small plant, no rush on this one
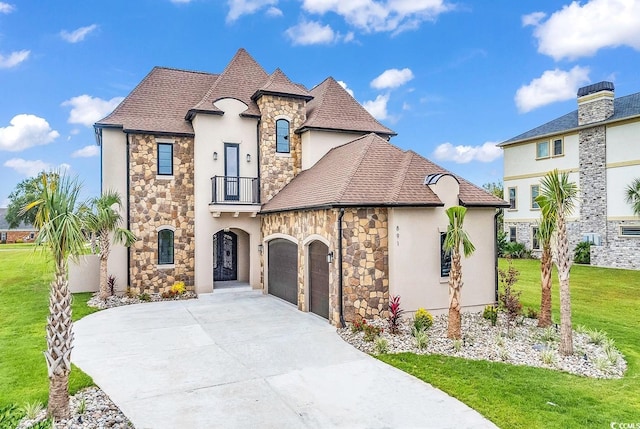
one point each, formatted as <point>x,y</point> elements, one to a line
<point>504,354</point>
<point>610,351</point>
<point>580,329</point>
<point>457,345</point>
<point>144,297</point>
<point>602,364</point>
<point>531,313</point>
<point>422,320</point>
<point>111,284</point>
<point>510,298</point>
<point>381,345</point>
<point>178,288</point>
<point>549,335</point>
<point>129,293</point>
<point>500,341</point>
<point>358,325</point>
<point>82,406</point>
<point>596,337</point>
<point>548,356</point>
<point>395,313</point>
<point>371,332</point>
<point>582,253</point>
<point>491,313</point>
<point>32,409</point>
<point>421,337</point>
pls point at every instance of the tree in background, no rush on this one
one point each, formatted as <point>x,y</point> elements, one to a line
<point>24,193</point>
<point>497,190</point>
<point>632,193</point>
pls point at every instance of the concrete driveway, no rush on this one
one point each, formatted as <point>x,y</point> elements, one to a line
<point>246,360</point>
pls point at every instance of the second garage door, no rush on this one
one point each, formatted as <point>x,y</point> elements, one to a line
<point>283,270</point>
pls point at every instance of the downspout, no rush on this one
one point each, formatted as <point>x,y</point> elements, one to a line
<point>128,215</point>
<point>340,279</point>
<point>495,251</point>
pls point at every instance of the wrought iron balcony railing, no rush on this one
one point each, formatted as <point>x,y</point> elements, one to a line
<point>235,190</point>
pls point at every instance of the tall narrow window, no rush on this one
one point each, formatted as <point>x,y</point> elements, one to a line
<point>165,247</point>
<point>282,136</point>
<point>165,159</point>
<point>512,234</point>
<point>535,191</point>
<point>512,199</point>
<point>558,148</point>
<point>535,242</point>
<point>445,257</point>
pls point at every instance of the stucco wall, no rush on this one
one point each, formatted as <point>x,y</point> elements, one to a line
<point>316,144</point>
<point>84,274</point>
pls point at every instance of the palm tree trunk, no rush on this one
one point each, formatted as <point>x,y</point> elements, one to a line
<point>544,318</point>
<point>455,283</point>
<point>104,257</point>
<point>59,340</point>
<point>564,267</point>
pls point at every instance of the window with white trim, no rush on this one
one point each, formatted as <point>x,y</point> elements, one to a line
<point>535,191</point>
<point>558,147</point>
<point>282,136</point>
<point>542,150</point>
<point>512,234</point>
<point>630,231</point>
<point>165,159</point>
<point>535,241</point>
<point>513,202</point>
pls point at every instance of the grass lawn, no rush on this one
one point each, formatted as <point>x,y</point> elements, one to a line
<point>522,397</point>
<point>24,301</point>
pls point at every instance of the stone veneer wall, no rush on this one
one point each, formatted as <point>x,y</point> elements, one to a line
<point>594,111</point>
<point>277,170</point>
<point>524,229</point>
<point>365,265</point>
<point>620,252</point>
<point>160,201</point>
<point>593,181</point>
<point>300,225</point>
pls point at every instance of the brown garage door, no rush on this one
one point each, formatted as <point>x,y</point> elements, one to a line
<point>319,279</point>
<point>283,270</point>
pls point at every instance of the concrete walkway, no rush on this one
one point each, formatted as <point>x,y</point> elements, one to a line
<point>246,360</point>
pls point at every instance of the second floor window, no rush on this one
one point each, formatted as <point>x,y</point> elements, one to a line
<point>282,136</point>
<point>558,147</point>
<point>535,191</point>
<point>165,159</point>
<point>542,150</point>
<point>512,199</point>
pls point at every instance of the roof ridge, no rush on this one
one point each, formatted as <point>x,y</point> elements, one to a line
<point>356,164</point>
<point>399,179</point>
<point>185,70</point>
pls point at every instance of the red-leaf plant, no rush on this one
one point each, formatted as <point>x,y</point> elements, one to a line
<point>395,313</point>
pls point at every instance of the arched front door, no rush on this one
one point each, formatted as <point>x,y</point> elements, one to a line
<point>225,256</point>
<point>319,279</point>
<point>283,270</point>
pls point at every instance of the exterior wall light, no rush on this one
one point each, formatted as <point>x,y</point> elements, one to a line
<point>215,156</point>
<point>260,248</point>
<point>248,157</point>
<point>330,257</point>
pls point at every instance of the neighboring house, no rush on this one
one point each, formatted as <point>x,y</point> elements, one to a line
<point>246,176</point>
<point>22,234</point>
<point>599,146</point>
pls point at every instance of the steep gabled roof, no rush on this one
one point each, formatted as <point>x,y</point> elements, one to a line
<point>279,84</point>
<point>623,108</point>
<point>334,108</point>
<point>370,171</point>
<point>159,102</point>
<point>242,77</point>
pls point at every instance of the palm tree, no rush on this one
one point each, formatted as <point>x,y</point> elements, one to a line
<point>455,237</point>
<point>104,221</point>
<point>60,224</point>
<point>633,196</point>
<point>545,233</point>
<point>561,195</point>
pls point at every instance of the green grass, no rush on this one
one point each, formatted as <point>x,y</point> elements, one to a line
<point>523,397</point>
<point>24,300</point>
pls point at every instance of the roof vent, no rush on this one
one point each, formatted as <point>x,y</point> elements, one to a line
<point>596,87</point>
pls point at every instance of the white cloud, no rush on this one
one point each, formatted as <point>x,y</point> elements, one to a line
<point>274,12</point>
<point>553,85</point>
<point>86,152</point>
<point>580,30</point>
<point>461,154</point>
<point>33,168</point>
<point>86,110</point>
<point>346,88</point>
<point>237,8</point>
<point>311,33</point>
<point>406,106</point>
<point>349,37</point>
<point>25,131</point>
<point>533,18</point>
<point>392,78</point>
<point>78,35</point>
<point>6,7</point>
<point>13,59</point>
<point>378,107</point>
<point>376,16</point>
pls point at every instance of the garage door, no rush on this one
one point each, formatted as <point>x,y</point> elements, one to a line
<point>319,279</point>
<point>283,270</point>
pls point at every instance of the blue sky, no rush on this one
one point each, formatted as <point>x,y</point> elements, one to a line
<point>452,78</point>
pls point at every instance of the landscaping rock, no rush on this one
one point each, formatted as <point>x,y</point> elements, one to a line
<point>120,300</point>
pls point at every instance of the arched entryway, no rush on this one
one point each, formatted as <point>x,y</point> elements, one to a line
<point>283,269</point>
<point>319,279</point>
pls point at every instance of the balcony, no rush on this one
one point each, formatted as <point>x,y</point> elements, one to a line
<point>231,194</point>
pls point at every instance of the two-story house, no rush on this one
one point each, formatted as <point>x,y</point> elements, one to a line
<point>246,176</point>
<point>599,146</point>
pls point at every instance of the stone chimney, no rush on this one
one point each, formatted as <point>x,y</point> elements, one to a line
<point>595,103</point>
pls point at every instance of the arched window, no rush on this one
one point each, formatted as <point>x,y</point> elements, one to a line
<point>282,136</point>
<point>165,247</point>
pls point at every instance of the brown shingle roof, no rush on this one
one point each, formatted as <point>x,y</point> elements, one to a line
<point>334,108</point>
<point>158,104</point>
<point>279,84</point>
<point>242,77</point>
<point>370,171</point>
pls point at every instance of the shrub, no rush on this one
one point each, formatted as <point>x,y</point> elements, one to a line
<point>178,288</point>
<point>491,313</point>
<point>19,241</point>
<point>602,364</point>
<point>144,297</point>
<point>82,407</point>
<point>10,416</point>
<point>515,250</point>
<point>457,345</point>
<point>395,313</point>
<point>549,334</point>
<point>504,355</point>
<point>370,332</point>
<point>421,337</point>
<point>582,253</point>
<point>111,284</point>
<point>381,345</point>
<point>358,325</point>
<point>548,356</point>
<point>422,320</point>
<point>531,313</point>
<point>32,409</point>
<point>596,337</point>
<point>510,298</point>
